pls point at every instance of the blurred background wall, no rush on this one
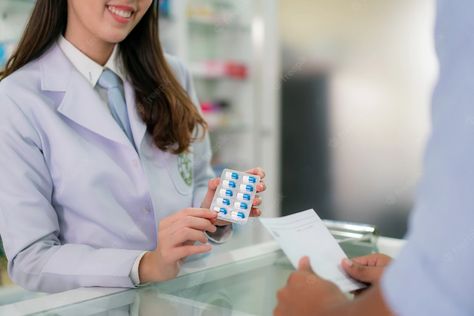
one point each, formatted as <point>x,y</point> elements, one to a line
<point>371,65</point>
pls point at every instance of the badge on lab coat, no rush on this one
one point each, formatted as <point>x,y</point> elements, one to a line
<point>185,167</point>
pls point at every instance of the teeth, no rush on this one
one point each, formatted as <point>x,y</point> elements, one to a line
<point>121,13</point>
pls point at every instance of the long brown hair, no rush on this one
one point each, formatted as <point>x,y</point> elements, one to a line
<point>172,119</point>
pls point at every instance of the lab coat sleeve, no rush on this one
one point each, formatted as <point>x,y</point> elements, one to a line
<point>37,259</point>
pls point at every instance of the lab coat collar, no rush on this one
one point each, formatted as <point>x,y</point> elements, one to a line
<point>80,101</point>
<point>88,67</point>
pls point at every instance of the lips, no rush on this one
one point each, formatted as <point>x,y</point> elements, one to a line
<point>122,14</point>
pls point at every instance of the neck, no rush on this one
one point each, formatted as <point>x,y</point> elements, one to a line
<point>96,49</point>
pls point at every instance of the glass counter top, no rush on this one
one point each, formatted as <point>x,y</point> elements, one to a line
<point>240,277</point>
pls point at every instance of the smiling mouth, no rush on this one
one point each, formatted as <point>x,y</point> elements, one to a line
<point>121,11</point>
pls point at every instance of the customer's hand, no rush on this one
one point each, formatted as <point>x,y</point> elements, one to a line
<point>367,269</point>
<point>308,294</point>
<point>177,235</point>
<point>261,187</point>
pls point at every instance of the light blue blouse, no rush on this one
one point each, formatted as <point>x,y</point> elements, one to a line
<point>434,273</point>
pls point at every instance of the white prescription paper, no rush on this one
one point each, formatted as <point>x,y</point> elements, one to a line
<point>304,234</point>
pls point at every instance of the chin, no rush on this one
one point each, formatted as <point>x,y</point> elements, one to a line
<point>115,37</point>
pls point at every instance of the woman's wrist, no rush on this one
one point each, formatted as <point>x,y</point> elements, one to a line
<point>148,267</point>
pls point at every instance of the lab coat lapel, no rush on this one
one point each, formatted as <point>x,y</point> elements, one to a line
<point>81,103</point>
<point>136,123</point>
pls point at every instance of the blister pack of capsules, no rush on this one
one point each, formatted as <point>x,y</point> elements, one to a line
<point>234,196</point>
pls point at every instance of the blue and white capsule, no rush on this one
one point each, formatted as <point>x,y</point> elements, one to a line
<point>241,205</point>
<point>249,179</point>
<point>229,184</point>
<point>232,175</point>
<point>238,215</point>
<point>223,202</point>
<point>246,188</point>
<point>226,192</point>
<point>244,196</point>
<point>221,210</point>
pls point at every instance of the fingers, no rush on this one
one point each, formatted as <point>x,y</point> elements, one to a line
<point>300,277</point>
<point>186,251</point>
<point>305,265</point>
<point>196,223</point>
<point>211,190</point>
<point>255,212</point>
<point>295,279</point>
<point>375,259</point>
<point>257,171</point>
<point>198,212</point>
<point>283,296</point>
<point>364,260</point>
<point>187,225</point>
<point>177,235</point>
<point>213,184</point>
<point>257,201</point>
<point>368,268</point>
<point>261,186</point>
<point>220,222</point>
<point>367,274</point>
<point>188,235</point>
<point>190,212</point>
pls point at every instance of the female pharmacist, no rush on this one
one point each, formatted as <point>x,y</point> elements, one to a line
<point>104,156</point>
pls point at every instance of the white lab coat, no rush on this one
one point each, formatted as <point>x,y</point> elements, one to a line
<point>78,204</point>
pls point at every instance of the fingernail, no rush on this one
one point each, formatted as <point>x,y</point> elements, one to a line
<point>348,262</point>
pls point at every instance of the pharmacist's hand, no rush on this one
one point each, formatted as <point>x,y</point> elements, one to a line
<point>261,187</point>
<point>177,237</point>
<point>211,190</point>
<point>367,269</point>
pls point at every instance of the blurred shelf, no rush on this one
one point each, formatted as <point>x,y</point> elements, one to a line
<point>216,69</point>
<point>216,23</point>
<point>215,77</point>
<point>229,129</point>
<point>15,6</point>
<point>223,123</point>
<point>165,9</point>
<point>167,21</point>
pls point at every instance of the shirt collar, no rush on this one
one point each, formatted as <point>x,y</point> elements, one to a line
<point>86,66</point>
